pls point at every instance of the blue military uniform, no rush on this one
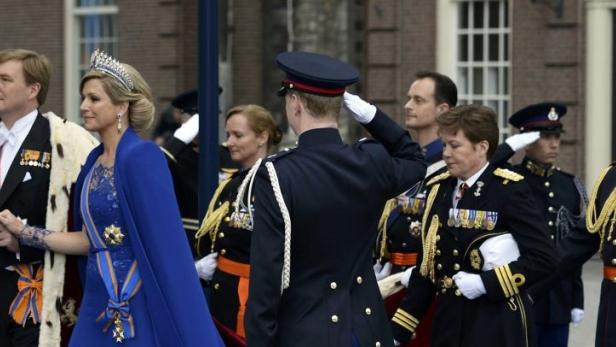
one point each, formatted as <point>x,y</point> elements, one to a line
<point>334,193</point>
<point>561,199</point>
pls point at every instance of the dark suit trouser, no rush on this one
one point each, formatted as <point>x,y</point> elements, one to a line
<point>552,335</point>
<point>11,333</point>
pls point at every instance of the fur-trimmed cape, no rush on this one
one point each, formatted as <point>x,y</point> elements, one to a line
<point>70,145</point>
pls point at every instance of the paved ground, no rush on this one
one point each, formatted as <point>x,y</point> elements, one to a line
<point>584,334</point>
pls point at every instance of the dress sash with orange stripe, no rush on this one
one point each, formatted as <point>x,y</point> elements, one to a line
<point>29,299</point>
<point>242,271</point>
<point>117,311</point>
<point>403,259</point>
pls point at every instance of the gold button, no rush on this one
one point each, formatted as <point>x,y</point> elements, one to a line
<point>551,194</point>
<point>217,286</point>
<point>614,261</point>
<point>443,290</point>
<point>221,234</point>
<point>439,266</point>
<point>368,311</point>
<point>551,209</point>
<point>438,237</point>
<point>438,252</point>
<point>223,251</point>
<point>457,292</point>
<point>334,318</point>
<point>455,252</point>
<point>547,184</point>
<point>359,280</point>
<point>377,344</point>
<point>333,285</point>
<point>552,237</point>
<point>550,223</point>
<point>227,219</point>
<point>614,242</point>
<point>456,267</point>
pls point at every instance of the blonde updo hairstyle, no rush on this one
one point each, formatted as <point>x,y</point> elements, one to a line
<point>140,102</point>
<point>259,120</point>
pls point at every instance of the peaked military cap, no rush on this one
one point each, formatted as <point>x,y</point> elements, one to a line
<point>315,74</point>
<point>544,117</point>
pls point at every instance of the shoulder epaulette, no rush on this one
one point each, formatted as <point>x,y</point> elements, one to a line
<point>438,178</point>
<point>508,175</point>
<point>280,154</point>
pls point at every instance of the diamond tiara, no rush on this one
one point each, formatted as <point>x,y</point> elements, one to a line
<point>104,63</point>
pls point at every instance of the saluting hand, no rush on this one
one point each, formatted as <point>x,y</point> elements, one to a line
<point>9,222</point>
<point>361,111</point>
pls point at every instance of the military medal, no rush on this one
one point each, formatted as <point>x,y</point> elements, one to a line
<point>415,229</point>
<point>477,192</point>
<point>492,217</point>
<point>113,235</point>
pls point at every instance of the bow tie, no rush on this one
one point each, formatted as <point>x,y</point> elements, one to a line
<point>7,136</point>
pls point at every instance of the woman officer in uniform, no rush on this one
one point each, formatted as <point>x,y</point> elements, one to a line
<point>223,240</point>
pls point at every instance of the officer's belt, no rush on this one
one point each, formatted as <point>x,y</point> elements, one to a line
<point>233,267</point>
<point>403,259</point>
<point>609,273</point>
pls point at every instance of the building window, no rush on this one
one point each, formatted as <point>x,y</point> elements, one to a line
<point>90,24</point>
<point>483,64</point>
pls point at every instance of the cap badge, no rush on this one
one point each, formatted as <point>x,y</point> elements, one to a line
<point>553,115</point>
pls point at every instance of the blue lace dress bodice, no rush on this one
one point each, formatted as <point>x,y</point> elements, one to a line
<point>90,329</point>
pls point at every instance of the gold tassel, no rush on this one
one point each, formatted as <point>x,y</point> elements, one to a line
<point>390,205</point>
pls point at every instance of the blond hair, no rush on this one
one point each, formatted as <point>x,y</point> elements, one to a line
<point>140,102</point>
<point>259,120</point>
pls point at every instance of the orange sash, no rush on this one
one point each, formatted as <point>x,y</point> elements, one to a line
<point>29,299</point>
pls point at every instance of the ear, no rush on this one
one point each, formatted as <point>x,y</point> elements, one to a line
<point>34,90</point>
<point>296,105</point>
<point>262,138</point>
<point>122,107</point>
<point>442,108</point>
<point>484,146</point>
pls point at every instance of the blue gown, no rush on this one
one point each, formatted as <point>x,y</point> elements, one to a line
<point>105,210</point>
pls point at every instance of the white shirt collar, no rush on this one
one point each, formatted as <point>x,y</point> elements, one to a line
<point>20,128</point>
<point>471,180</point>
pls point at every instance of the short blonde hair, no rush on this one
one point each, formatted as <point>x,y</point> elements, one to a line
<point>36,68</point>
<point>320,106</point>
<point>140,102</point>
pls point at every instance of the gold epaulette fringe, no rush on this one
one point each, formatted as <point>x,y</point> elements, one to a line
<point>438,178</point>
<point>508,175</point>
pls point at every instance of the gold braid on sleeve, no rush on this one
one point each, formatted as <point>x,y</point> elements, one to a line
<point>429,238</point>
<point>599,223</point>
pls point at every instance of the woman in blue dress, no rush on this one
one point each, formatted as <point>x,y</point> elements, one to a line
<point>141,287</point>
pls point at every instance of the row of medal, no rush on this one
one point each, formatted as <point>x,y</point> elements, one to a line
<point>31,157</point>
<point>412,205</point>
<point>472,219</point>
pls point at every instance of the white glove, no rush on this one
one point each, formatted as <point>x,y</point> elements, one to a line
<point>577,315</point>
<point>361,111</point>
<point>206,266</point>
<point>406,277</point>
<point>381,271</point>
<point>189,130</point>
<point>470,285</point>
<point>519,141</point>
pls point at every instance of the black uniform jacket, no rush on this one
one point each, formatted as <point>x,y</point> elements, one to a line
<point>24,192</point>
<point>233,243</point>
<point>581,243</point>
<point>499,202</point>
<point>335,194</point>
<point>560,198</point>
<point>183,161</point>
